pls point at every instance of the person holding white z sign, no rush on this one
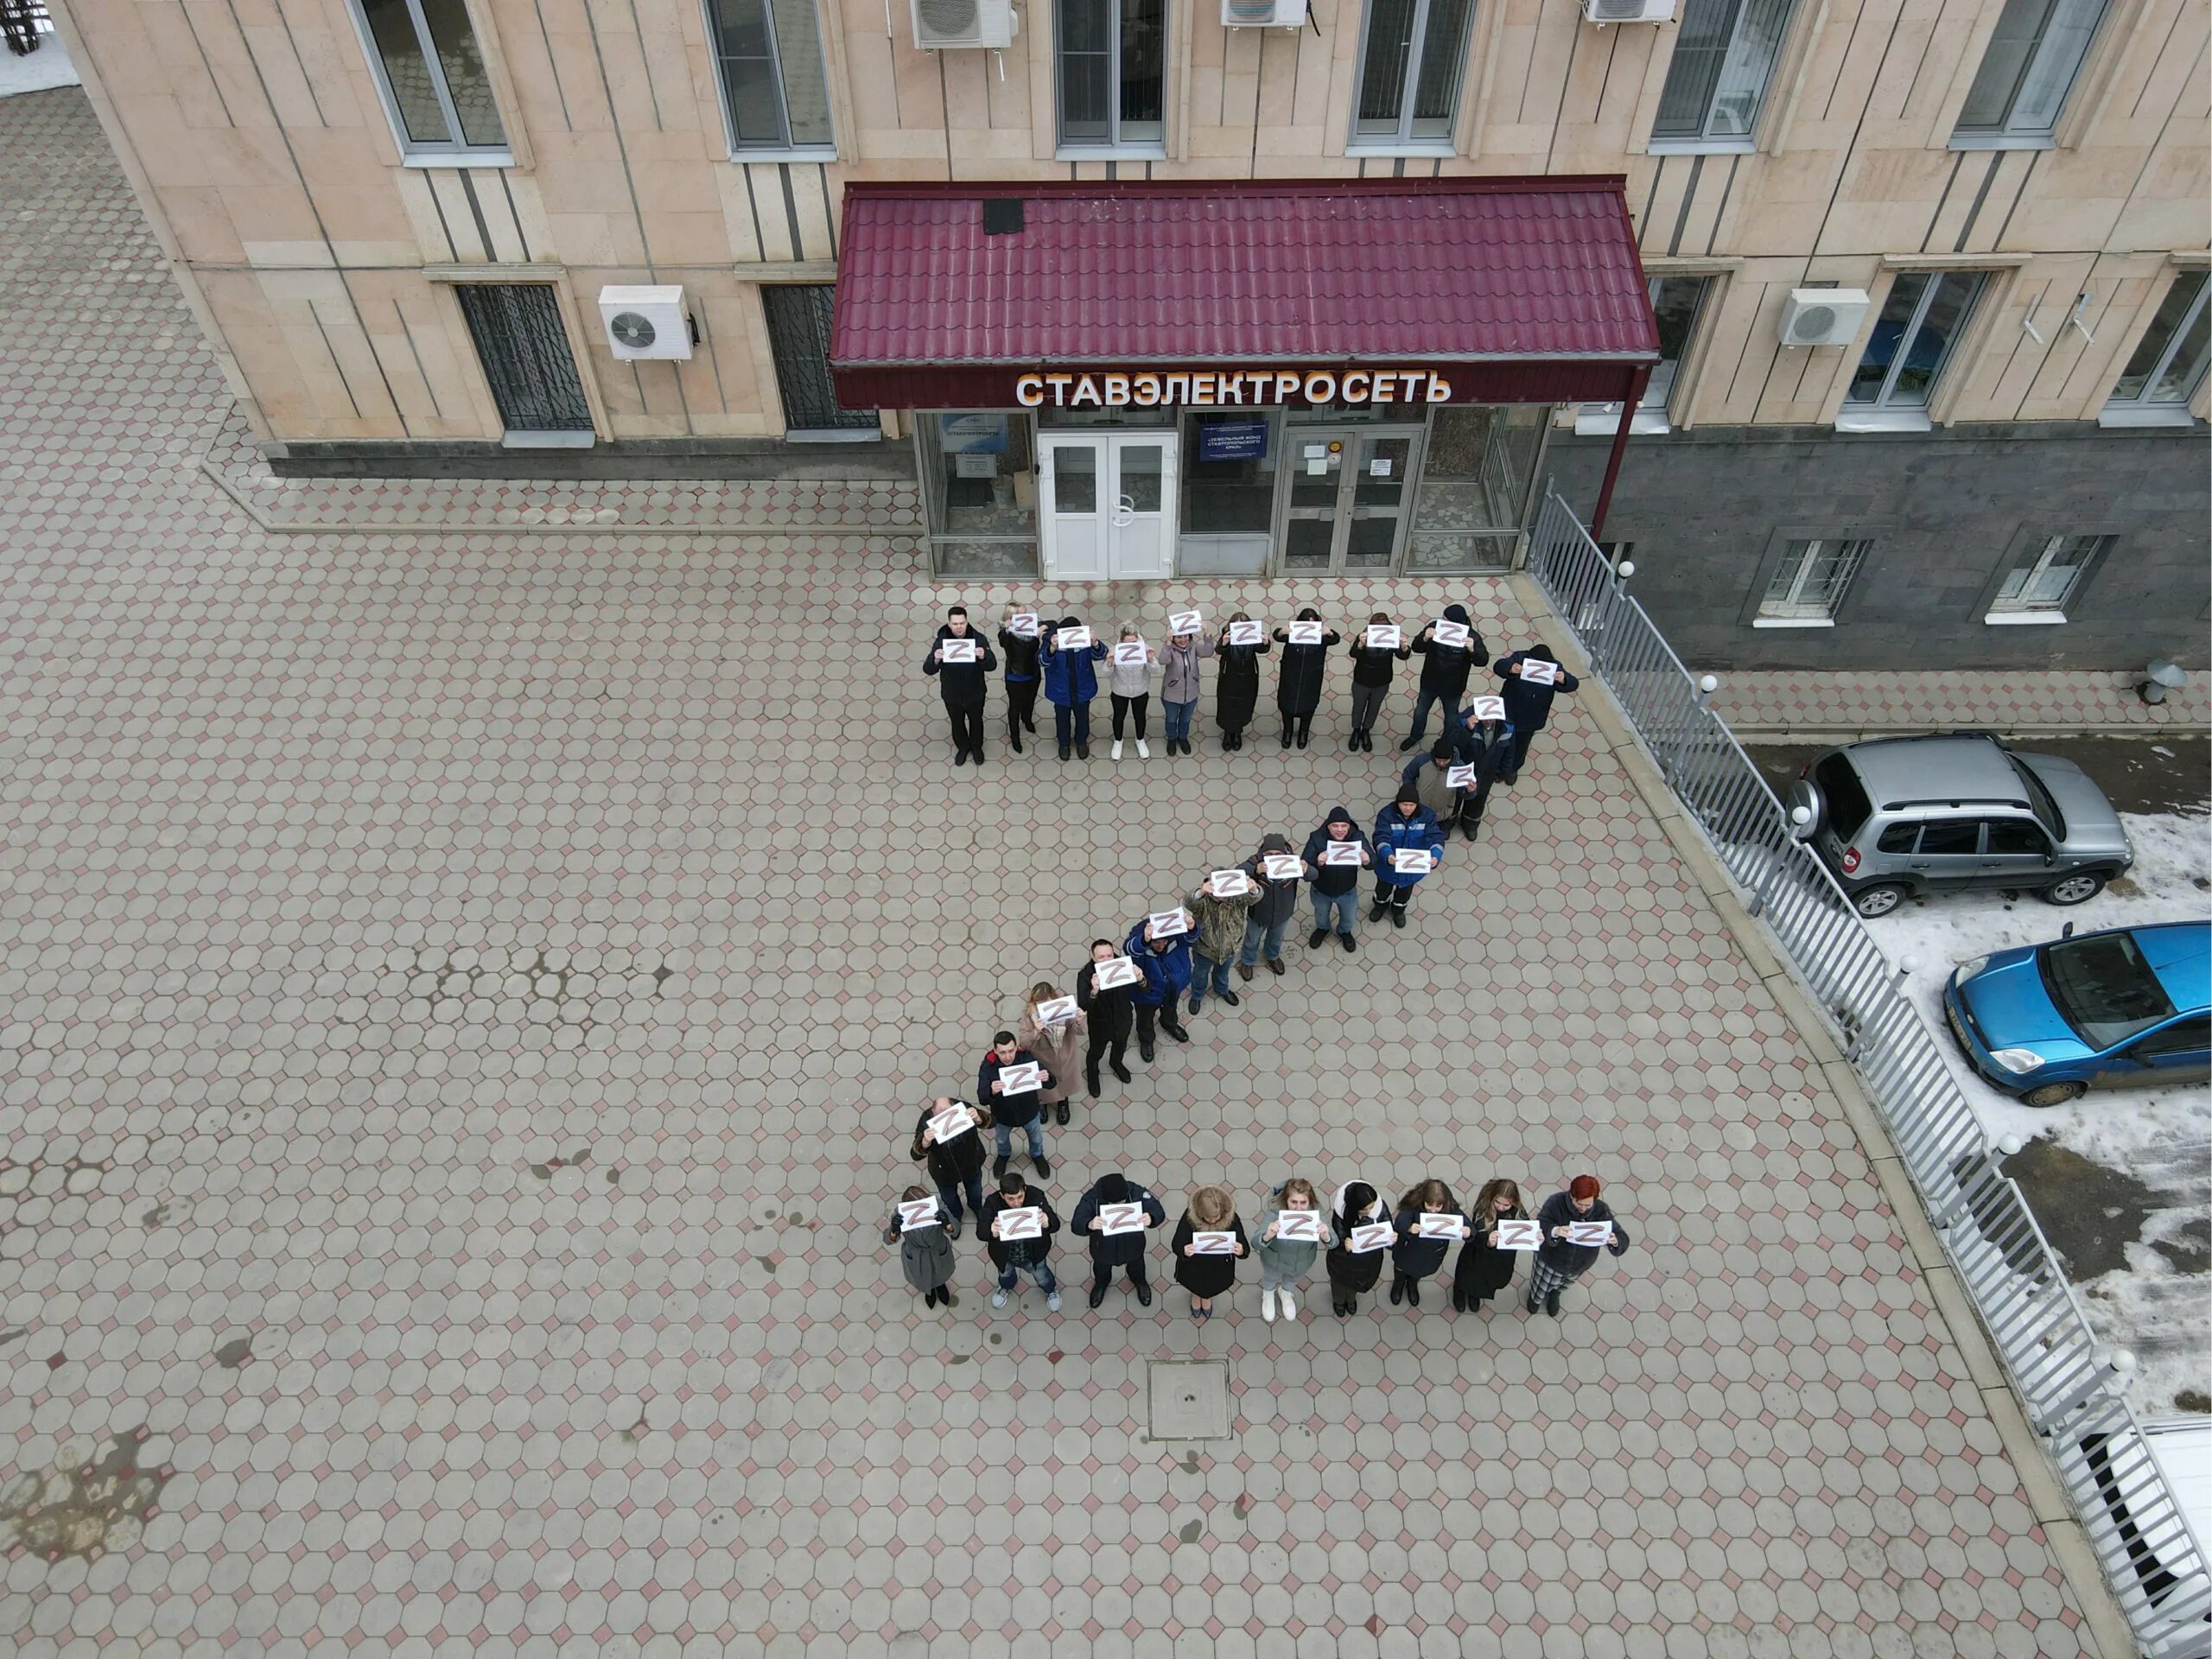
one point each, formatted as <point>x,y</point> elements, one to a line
<point>1293,1231</point>
<point>961,660</point>
<point>1115,1217</point>
<point>1337,852</point>
<point>1012,1082</point>
<point>949,1140</point>
<point>1408,844</point>
<point>1532,679</point>
<point>1428,1222</point>
<point>1208,1242</point>
<point>1017,1225</point>
<point>1305,646</point>
<point>919,1226</point>
<point>1576,1225</point>
<point>1365,1235</point>
<point>1275,871</point>
<point>1128,686</point>
<point>1052,1028</point>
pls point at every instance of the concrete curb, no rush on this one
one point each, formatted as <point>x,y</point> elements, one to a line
<point>2107,1630</point>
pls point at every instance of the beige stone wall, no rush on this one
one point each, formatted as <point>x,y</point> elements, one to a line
<point>255,133</point>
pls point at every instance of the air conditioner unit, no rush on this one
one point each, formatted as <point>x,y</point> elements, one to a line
<point>1263,14</point>
<point>1628,11</point>
<point>1823,316</point>
<point>645,323</point>
<point>944,25</point>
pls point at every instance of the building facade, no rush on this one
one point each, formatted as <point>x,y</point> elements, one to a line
<point>1923,311</point>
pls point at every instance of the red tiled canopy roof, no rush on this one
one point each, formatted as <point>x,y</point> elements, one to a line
<point>1442,270</point>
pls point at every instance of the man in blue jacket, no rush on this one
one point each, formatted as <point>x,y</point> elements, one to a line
<point>1071,685</point>
<point>1528,701</point>
<point>1405,825</point>
<point>1166,964</point>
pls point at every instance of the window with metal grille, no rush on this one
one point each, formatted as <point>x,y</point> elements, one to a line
<point>2030,65</point>
<point>431,74</point>
<point>1411,54</point>
<point>773,88</point>
<point>799,337</point>
<point>1113,75</point>
<point>1717,79</point>
<point>1811,580</point>
<point>523,347</point>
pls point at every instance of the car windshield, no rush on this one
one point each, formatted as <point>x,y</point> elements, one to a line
<point>2046,808</point>
<point>1848,807</point>
<point>2103,987</point>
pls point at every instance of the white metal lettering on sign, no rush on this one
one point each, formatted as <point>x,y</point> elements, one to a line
<point>1024,1079</point>
<point>1184,622</point>
<point>1300,1226</point>
<point>1488,708</point>
<point>1115,1219</point>
<point>1025,1223</point>
<point>1246,633</point>
<point>1520,1235</point>
<point>919,1212</point>
<point>1536,672</point>
<point>1057,1010</point>
<point>1129,653</point>
<point>1229,884</point>
<point>956,651</point>
<point>1412,861</point>
<point>1213,1243</point>
<point>1282,867</point>
<point>1448,633</point>
<point>1365,1241</point>
<point>1589,1232</point>
<point>1305,634</point>
<point>952,1122</point>
<point>1459,777</point>
<point>1230,388</point>
<point>1022,625</point>
<point>1432,1225</point>
<point>1167,924</point>
<point>1071,639</point>
<point>1116,972</point>
<point>1385,636</point>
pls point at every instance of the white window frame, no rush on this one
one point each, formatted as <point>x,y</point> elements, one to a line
<point>1881,414</point>
<point>786,152</point>
<point>1797,612</point>
<point>1402,143</point>
<point>2008,134</point>
<point>1705,142</point>
<point>414,152</point>
<point>2143,410</point>
<point>1113,144</point>
<point>2037,558</point>
<point>1652,416</point>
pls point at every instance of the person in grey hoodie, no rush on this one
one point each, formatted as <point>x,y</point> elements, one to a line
<point>1284,1262</point>
<point>1278,903</point>
<point>1128,686</point>
<point>1178,686</point>
<point>1430,778</point>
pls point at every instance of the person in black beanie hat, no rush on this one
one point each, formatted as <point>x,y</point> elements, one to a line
<point>1112,1250</point>
<point>963,684</point>
<point>1443,673</point>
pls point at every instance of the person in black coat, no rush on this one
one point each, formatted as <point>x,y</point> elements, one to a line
<point>1483,1269</point>
<point>1487,746</point>
<point>1415,1257</point>
<point>1372,669</point>
<point>1351,1272</point>
<point>1444,671</point>
<point>1023,675</point>
<point>1023,1109</point>
<point>1236,686</point>
<point>1211,1210</point>
<point>1528,702</point>
<point>1123,1250</point>
<point>1112,1012</point>
<point>1011,1256</point>
<point>1559,1263</point>
<point>1298,681</point>
<point>963,685</point>
<point>956,1165</point>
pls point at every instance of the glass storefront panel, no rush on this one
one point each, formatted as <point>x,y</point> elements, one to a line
<point>1481,459</point>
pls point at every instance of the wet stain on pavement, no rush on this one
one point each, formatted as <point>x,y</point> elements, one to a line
<point>83,1507</point>
<point>234,1353</point>
<point>2090,1214</point>
<point>1191,1530</point>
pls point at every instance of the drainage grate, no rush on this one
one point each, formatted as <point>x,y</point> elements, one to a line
<point>1188,1400</point>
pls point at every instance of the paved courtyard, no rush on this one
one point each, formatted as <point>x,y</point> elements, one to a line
<point>462,1004</point>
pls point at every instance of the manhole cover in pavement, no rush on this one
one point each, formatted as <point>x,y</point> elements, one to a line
<point>1189,1400</point>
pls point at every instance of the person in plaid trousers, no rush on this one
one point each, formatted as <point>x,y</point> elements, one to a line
<point>1559,1263</point>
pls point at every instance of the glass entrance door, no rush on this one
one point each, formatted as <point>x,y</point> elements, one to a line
<point>1347,503</point>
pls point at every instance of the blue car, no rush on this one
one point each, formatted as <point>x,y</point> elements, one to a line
<point>2124,1009</point>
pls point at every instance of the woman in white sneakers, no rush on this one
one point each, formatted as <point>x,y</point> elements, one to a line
<point>1129,687</point>
<point>1285,1262</point>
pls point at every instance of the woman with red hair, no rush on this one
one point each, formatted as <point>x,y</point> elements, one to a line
<point>1564,1257</point>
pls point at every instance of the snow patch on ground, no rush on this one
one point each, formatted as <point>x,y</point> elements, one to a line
<point>40,70</point>
<point>2162,1137</point>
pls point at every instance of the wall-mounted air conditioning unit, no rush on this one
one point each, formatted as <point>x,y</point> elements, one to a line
<point>946,25</point>
<point>1263,14</point>
<point>1628,11</point>
<point>1823,316</point>
<point>644,323</point>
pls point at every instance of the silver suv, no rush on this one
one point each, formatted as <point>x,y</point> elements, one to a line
<point>1918,814</point>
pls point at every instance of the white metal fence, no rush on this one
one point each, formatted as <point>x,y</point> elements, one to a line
<point>2065,1380</point>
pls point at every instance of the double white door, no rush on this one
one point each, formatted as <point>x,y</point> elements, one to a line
<point>1106,504</point>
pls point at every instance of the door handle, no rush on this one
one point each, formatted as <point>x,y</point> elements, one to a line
<point>1125,512</point>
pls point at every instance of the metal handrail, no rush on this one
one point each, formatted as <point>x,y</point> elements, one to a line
<point>2066,1381</point>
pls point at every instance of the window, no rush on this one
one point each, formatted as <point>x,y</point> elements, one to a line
<point>1810,582</point>
<point>1675,302</point>
<point>1228,474</point>
<point>1920,323</point>
<point>2049,574</point>
<point>1898,838</point>
<point>1410,57</point>
<point>2016,837</point>
<point>773,87</point>
<point>1113,75</point>
<point>2190,1036</point>
<point>2101,986</point>
<point>1716,81</point>
<point>798,339</point>
<point>432,74</point>
<point>2025,74</point>
<point>1950,838</point>
<point>524,348</point>
<point>2164,373</point>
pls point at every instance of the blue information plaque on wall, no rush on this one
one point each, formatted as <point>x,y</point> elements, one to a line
<point>1234,439</point>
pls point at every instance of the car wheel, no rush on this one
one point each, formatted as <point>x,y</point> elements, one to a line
<point>2055,1094</point>
<point>2076,889</point>
<point>1878,901</point>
